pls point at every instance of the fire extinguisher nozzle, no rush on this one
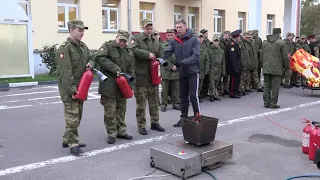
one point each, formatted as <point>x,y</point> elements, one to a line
<point>101,76</point>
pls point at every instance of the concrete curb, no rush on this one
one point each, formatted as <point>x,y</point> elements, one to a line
<point>6,87</point>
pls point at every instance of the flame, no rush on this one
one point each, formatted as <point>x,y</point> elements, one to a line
<point>307,65</point>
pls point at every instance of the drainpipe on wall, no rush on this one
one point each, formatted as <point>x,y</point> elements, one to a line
<point>129,18</point>
<point>298,21</point>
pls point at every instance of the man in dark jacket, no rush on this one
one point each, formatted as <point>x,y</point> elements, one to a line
<point>186,48</point>
<point>233,62</point>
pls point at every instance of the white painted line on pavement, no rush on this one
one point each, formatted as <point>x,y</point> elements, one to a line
<point>29,167</point>
<point>38,92</point>
<point>12,85</point>
<point>14,107</point>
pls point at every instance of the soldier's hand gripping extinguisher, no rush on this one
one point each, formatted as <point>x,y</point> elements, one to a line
<point>85,82</point>
<point>122,82</point>
<point>306,136</point>
<point>155,70</point>
<point>314,142</point>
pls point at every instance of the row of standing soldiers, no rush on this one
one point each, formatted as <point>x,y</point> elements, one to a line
<point>214,80</point>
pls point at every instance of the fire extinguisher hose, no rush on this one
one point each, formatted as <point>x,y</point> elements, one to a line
<point>303,176</point>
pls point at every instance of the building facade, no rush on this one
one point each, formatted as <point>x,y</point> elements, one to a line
<point>105,17</point>
<point>48,18</point>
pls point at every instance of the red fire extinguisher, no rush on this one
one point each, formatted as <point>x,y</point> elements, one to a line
<point>155,72</point>
<point>314,142</point>
<point>84,85</point>
<point>123,85</point>
<point>306,137</point>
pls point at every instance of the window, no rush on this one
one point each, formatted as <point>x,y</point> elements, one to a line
<point>270,23</point>
<point>146,11</point>
<point>218,21</point>
<point>25,6</point>
<point>110,15</point>
<point>192,15</point>
<point>67,11</point>
<point>177,13</point>
<point>242,21</point>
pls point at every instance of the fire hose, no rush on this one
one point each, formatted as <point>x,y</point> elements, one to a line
<point>303,176</point>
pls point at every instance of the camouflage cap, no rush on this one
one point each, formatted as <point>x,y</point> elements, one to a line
<point>289,34</point>
<point>155,32</point>
<point>246,33</point>
<point>200,34</point>
<point>203,31</point>
<point>215,37</point>
<point>255,31</point>
<point>124,35</point>
<point>303,36</point>
<point>227,32</point>
<point>76,24</point>
<point>146,22</point>
<point>170,30</point>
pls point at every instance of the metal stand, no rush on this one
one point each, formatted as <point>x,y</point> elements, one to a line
<point>186,160</point>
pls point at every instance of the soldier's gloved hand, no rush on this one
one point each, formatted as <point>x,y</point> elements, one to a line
<point>89,66</point>
<point>74,95</point>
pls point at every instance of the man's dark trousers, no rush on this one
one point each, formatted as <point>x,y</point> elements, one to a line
<point>189,87</point>
<point>234,83</point>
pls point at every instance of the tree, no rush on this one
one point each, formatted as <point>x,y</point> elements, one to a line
<point>310,15</point>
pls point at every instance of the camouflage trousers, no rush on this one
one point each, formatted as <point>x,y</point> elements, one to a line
<point>114,114</point>
<point>244,82</point>
<point>212,85</point>
<point>200,87</point>
<point>286,78</point>
<point>142,95</point>
<point>253,79</point>
<point>224,84</point>
<point>296,79</point>
<point>73,115</point>
<point>272,85</point>
<point>175,91</point>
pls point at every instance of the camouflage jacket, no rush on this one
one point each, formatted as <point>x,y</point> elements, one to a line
<point>111,59</point>
<point>253,58</point>
<point>217,67</point>
<point>289,46</point>
<point>141,47</point>
<point>274,56</point>
<point>306,47</point>
<point>204,60</point>
<point>166,72</point>
<point>257,46</point>
<point>71,58</point>
<point>244,56</point>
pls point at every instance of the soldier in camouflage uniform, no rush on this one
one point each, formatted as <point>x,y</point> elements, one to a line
<point>257,44</point>
<point>313,44</point>
<point>206,78</point>
<point>204,61</point>
<point>245,60</point>
<point>114,58</point>
<point>224,84</point>
<point>72,57</point>
<point>170,78</point>
<point>295,76</point>
<point>253,64</point>
<point>290,49</point>
<point>275,58</point>
<point>217,68</point>
<point>145,48</point>
<point>304,44</point>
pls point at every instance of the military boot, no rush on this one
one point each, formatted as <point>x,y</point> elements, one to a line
<point>143,131</point>
<point>178,124</point>
<point>125,136</point>
<point>65,145</point>
<point>111,140</point>
<point>157,127</point>
<point>176,106</point>
<point>163,108</point>
<point>76,150</point>
<point>211,98</point>
<point>274,107</point>
<point>259,89</point>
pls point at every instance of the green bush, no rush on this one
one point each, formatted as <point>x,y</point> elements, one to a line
<point>48,58</point>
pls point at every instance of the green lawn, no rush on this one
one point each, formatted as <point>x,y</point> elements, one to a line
<point>39,77</point>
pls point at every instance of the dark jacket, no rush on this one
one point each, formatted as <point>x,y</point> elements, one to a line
<point>187,52</point>
<point>233,58</point>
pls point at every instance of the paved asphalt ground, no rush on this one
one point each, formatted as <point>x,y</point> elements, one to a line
<point>32,125</point>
